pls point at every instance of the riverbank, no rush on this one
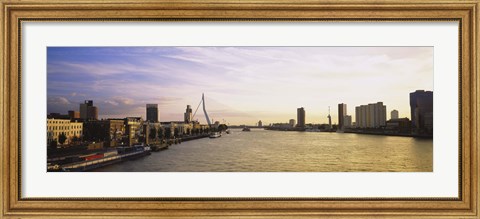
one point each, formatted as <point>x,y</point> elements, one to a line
<point>364,132</point>
<point>389,134</point>
<point>82,159</point>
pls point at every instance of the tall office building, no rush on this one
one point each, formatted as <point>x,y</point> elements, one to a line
<point>394,114</point>
<point>260,124</point>
<point>188,115</point>
<point>152,112</point>
<point>300,117</point>
<point>342,112</point>
<point>88,111</point>
<point>421,110</point>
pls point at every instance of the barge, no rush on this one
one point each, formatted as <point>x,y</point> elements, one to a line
<point>93,161</point>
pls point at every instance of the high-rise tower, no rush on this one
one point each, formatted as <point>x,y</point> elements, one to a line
<point>152,112</point>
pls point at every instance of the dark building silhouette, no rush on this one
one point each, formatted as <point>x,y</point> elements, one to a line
<point>152,112</point>
<point>73,114</point>
<point>342,112</point>
<point>88,111</point>
<point>300,117</point>
<point>111,132</point>
<point>421,111</point>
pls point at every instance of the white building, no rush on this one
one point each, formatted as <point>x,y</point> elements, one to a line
<point>55,127</point>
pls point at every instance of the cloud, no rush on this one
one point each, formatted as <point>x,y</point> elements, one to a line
<point>123,100</point>
<point>58,101</point>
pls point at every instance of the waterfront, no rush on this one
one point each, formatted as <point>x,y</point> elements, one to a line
<point>275,151</point>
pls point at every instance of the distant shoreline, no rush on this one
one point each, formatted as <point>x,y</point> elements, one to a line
<point>355,132</point>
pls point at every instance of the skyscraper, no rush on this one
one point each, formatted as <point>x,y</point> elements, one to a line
<point>300,117</point>
<point>88,111</point>
<point>421,110</point>
<point>342,112</point>
<point>152,112</point>
<point>188,114</point>
<point>394,114</point>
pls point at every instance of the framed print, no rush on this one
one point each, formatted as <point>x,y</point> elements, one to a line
<point>252,109</point>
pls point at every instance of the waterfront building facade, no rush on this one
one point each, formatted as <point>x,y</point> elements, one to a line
<point>342,112</point>
<point>71,130</point>
<point>398,126</point>
<point>394,114</point>
<point>109,131</point>
<point>88,111</point>
<point>152,112</point>
<point>154,132</point>
<point>133,130</point>
<point>300,117</point>
<point>260,124</point>
<point>421,111</point>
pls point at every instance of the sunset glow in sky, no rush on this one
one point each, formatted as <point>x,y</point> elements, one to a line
<point>241,84</point>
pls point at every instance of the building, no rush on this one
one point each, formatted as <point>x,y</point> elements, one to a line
<point>347,121</point>
<point>342,112</point>
<point>110,131</point>
<point>73,114</point>
<point>300,117</point>
<point>291,122</point>
<point>154,132</point>
<point>133,130</point>
<point>260,124</point>
<point>57,127</point>
<point>57,116</point>
<point>152,112</point>
<point>421,111</point>
<point>88,111</point>
<point>394,114</point>
<point>179,128</point>
<point>398,126</point>
<point>188,115</point>
<point>329,119</point>
<point>373,115</point>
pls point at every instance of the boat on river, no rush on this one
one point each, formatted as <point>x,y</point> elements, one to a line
<point>215,135</point>
<point>246,129</point>
<point>97,160</point>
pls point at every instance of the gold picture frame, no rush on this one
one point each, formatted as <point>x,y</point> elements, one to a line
<point>14,12</point>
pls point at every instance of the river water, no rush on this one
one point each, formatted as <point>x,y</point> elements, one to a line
<point>277,151</point>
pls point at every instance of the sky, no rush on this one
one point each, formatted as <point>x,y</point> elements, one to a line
<point>242,85</point>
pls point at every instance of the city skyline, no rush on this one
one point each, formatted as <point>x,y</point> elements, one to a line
<point>242,85</point>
